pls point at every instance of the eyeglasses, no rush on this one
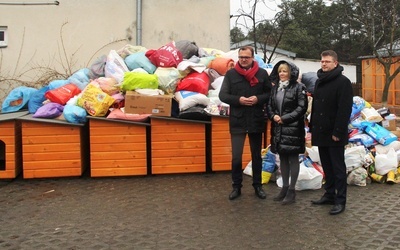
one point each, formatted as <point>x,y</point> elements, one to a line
<point>245,57</point>
<point>326,62</point>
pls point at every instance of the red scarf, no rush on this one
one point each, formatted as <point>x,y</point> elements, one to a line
<point>248,74</point>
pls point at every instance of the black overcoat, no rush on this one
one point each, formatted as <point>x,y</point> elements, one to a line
<point>289,137</point>
<point>331,108</point>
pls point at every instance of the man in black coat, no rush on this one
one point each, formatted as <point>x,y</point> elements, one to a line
<point>331,110</point>
<point>246,88</point>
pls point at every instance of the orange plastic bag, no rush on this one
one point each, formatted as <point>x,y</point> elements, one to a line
<point>62,94</point>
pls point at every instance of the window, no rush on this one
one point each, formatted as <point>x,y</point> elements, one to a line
<point>3,36</point>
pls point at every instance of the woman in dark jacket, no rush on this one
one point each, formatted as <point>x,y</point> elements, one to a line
<point>286,109</point>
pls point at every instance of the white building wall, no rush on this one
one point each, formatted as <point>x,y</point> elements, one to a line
<point>91,27</point>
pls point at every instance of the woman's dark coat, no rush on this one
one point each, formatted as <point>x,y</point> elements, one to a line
<point>245,119</point>
<point>331,108</point>
<point>289,137</point>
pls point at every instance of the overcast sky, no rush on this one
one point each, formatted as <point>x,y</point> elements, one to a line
<point>263,11</point>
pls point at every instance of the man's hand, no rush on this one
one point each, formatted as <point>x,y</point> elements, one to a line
<point>248,101</point>
<point>335,138</point>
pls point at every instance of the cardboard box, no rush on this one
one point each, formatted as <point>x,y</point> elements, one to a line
<point>159,105</point>
<point>389,124</point>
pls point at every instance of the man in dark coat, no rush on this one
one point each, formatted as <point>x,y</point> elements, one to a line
<point>246,89</point>
<point>331,110</point>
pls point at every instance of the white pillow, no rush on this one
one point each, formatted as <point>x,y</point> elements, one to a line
<point>188,99</point>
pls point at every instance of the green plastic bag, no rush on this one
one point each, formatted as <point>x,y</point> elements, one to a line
<point>137,80</point>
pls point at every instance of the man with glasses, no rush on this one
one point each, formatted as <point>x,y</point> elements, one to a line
<point>246,88</point>
<point>330,114</point>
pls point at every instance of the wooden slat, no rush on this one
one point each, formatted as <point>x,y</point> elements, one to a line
<point>118,172</point>
<point>8,174</point>
<point>57,138</point>
<point>52,165</point>
<point>117,147</point>
<point>117,164</point>
<point>113,130</point>
<point>177,145</point>
<point>175,129</point>
<point>175,161</point>
<point>51,156</point>
<point>6,131</point>
<point>168,152</point>
<point>8,140</point>
<point>45,173</point>
<point>51,148</point>
<point>49,130</point>
<point>116,139</point>
<point>178,169</point>
<point>118,155</point>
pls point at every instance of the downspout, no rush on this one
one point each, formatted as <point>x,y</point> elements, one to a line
<point>139,22</point>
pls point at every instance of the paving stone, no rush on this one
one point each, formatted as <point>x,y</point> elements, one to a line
<point>188,211</point>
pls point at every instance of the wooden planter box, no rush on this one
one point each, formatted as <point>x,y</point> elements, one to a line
<point>53,148</point>
<point>118,147</point>
<point>221,151</point>
<point>178,145</point>
<point>10,145</point>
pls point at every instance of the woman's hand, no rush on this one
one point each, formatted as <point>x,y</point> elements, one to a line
<point>277,119</point>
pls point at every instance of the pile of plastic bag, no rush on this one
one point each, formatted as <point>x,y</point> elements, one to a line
<point>191,73</point>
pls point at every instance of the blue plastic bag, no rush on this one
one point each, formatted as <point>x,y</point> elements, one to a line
<point>37,99</point>
<point>17,99</point>
<point>379,133</point>
<point>80,78</point>
<point>139,60</point>
<point>74,114</point>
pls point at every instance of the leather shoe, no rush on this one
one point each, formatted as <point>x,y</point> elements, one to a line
<point>260,193</point>
<point>235,193</point>
<point>337,209</point>
<point>323,201</point>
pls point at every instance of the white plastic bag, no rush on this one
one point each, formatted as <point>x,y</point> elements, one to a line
<point>115,66</point>
<point>313,153</point>
<point>309,178</point>
<point>386,162</point>
<point>358,177</point>
<point>354,157</point>
<point>248,170</point>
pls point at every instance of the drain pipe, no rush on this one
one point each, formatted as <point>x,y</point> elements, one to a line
<point>53,3</point>
<point>138,22</point>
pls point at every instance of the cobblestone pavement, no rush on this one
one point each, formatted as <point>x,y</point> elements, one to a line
<point>188,211</point>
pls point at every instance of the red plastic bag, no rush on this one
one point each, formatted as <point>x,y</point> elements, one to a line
<point>166,56</point>
<point>62,94</point>
<point>195,82</point>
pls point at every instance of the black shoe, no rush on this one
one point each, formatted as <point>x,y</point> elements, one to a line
<point>260,193</point>
<point>337,209</point>
<point>290,197</point>
<point>281,194</point>
<point>323,201</point>
<point>235,193</point>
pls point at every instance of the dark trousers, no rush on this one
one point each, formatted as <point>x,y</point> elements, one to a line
<point>332,161</point>
<point>237,143</point>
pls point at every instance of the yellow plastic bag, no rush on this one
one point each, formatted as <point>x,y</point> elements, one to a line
<point>95,101</point>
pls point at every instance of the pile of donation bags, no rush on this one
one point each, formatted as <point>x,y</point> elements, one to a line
<point>192,75</point>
